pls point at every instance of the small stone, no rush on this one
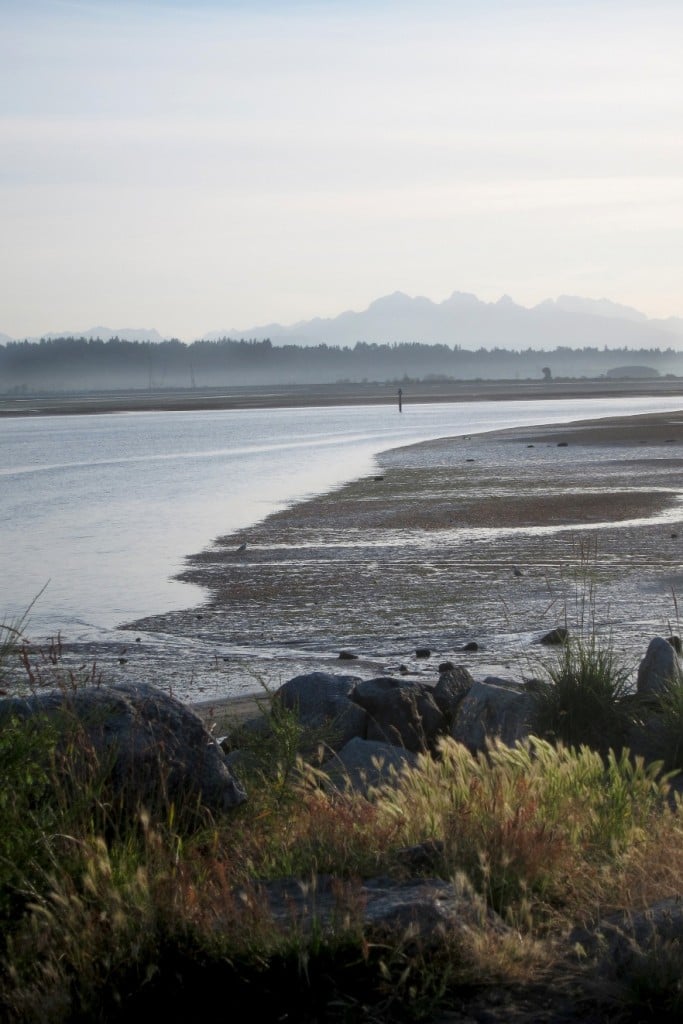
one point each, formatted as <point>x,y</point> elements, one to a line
<point>559,635</point>
<point>423,652</point>
<point>471,645</point>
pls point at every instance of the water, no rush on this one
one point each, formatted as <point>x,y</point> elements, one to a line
<point>97,512</point>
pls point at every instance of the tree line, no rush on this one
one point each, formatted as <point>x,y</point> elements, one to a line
<point>73,363</point>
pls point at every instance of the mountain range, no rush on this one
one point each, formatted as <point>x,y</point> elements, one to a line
<point>461,320</point>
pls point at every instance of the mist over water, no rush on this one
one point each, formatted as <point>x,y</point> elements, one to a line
<point>98,512</point>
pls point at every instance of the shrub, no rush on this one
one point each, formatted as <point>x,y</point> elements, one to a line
<point>583,700</point>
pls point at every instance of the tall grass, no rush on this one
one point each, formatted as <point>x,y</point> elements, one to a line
<point>584,697</point>
<point>522,821</point>
<point>105,916</point>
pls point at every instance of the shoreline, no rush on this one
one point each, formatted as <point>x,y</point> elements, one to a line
<point>297,396</point>
<point>425,555</point>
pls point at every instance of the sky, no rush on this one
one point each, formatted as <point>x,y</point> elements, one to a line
<point>205,165</point>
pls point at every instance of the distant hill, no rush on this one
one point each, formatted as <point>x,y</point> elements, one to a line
<point>465,320</point>
<point>462,320</point>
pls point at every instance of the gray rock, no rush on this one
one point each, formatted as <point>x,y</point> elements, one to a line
<point>429,911</point>
<point>454,683</point>
<point>366,764</point>
<point>658,669</point>
<point>624,941</point>
<point>151,749</point>
<point>400,711</point>
<point>493,709</point>
<point>554,637</point>
<point>323,703</point>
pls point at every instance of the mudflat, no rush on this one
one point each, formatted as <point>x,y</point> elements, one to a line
<point>466,549</point>
<point>266,396</point>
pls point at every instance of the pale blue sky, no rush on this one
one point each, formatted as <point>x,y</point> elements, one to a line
<point>208,165</point>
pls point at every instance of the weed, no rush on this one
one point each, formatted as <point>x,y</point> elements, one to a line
<point>582,700</point>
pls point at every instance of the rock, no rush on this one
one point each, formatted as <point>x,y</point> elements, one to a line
<point>366,764</point>
<point>429,911</point>
<point>624,942</point>
<point>323,703</point>
<point>451,688</point>
<point>658,669</point>
<point>559,635</point>
<point>675,642</point>
<point>446,666</point>
<point>494,709</point>
<point>154,750</point>
<point>649,738</point>
<point>400,711</point>
<point>347,656</point>
<point>423,858</point>
<point>423,652</point>
<point>471,645</point>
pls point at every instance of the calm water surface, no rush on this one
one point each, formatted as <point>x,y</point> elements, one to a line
<point>97,512</point>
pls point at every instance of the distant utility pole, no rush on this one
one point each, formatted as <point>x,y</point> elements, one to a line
<point>400,400</point>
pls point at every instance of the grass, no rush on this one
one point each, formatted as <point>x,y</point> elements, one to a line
<point>106,918</point>
<point>584,697</point>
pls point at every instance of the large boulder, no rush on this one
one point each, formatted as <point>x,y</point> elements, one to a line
<point>323,704</point>
<point>493,709</point>
<point>364,765</point>
<point>659,668</point>
<point>147,748</point>
<point>400,712</point>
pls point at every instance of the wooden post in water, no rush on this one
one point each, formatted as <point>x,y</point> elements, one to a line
<point>400,400</point>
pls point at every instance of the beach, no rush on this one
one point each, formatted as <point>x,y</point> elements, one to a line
<point>465,549</point>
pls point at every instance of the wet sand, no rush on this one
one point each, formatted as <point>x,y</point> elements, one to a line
<point>488,540</point>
